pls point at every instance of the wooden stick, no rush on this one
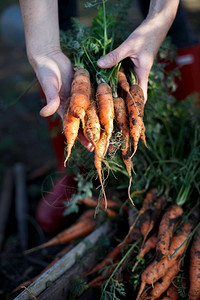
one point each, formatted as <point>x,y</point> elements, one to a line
<point>21,205</point>
<point>5,202</point>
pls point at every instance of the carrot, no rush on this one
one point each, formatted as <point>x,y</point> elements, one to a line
<point>156,270</point>
<point>194,291</point>
<point>84,226</point>
<point>148,200</point>
<point>135,106</point>
<point>162,285</point>
<point>70,128</point>
<point>166,230</point>
<point>145,223</point>
<point>151,216</point>
<point>80,94</point>
<point>122,121</point>
<point>147,247</point>
<point>92,126</point>
<point>99,153</point>
<point>142,136</point>
<point>172,293</point>
<point>93,203</point>
<point>106,110</point>
<point>122,80</point>
<point>111,256</point>
<point>98,281</point>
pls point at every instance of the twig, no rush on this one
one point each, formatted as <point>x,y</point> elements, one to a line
<point>21,205</point>
<point>5,202</point>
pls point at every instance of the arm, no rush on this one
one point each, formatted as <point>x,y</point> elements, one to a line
<point>144,42</point>
<point>53,69</point>
<point>51,66</point>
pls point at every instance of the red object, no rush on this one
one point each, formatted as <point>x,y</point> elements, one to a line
<point>57,138</point>
<point>50,210</point>
<point>188,62</point>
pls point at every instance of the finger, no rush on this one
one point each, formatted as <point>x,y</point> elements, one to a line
<point>85,142</point>
<point>142,75</point>
<point>112,58</point>
<point>50,108</point>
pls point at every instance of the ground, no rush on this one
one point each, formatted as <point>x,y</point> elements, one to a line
<point>25,137</point>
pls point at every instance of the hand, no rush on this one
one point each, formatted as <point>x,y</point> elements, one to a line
<point>55,73</point>
<point>141,47</point>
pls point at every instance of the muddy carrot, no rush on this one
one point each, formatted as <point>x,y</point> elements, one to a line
<point>146,248</point>
<point>92,125</point>
<point>122,121</point>
<point>194,291</point>
<point>166,230</point>
<point>156,270</point>
<point>162,285</point>
<point>172,293</point>
<point>135,106</point>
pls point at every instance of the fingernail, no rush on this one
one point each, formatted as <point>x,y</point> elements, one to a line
<point>101,63</point>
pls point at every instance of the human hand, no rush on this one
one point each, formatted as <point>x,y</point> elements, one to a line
<point>55,73</point>
<point>141,47</point>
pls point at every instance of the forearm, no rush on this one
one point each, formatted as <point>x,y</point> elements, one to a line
<point>40,18</point>
<point>160,17</point>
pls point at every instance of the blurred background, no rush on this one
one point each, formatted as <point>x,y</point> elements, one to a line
<point>25,137</point>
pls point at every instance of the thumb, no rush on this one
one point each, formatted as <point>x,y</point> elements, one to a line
<point>53,100</point>
<point>112,58</point>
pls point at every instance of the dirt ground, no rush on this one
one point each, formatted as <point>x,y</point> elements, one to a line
<point>25,138</point>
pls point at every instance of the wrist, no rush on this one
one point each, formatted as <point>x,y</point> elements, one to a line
<point>37,56</point>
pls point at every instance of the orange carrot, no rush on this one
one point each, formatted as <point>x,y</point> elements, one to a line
<point>92,125</point>
<point>148,200</point>
<point>70,128</point>
<point>142,136</point>
<point>80,94</point>
<point>166,230</point>
<point>111,256</point>
<point>147,247</point>
<point>194,291</point>
<point>83,227</point>
<point>91,202</point>
<point>99,152</point>
<point>106,110</point>
<point>172,293</point>
<point>101,278</point>
<point>122,80</point>
<point>135,106</point>
<point>156,270</point>
<point>162,285</point>
<point>122,121</point>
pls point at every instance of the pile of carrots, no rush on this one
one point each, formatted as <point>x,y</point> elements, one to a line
<point>166,234</point>
<point>98,111</point>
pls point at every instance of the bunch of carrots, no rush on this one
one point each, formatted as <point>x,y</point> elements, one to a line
<point>98,112</point>
<point>102,102</point>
